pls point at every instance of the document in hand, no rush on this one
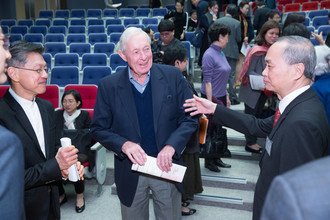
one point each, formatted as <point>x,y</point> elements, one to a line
<point>150,167</point>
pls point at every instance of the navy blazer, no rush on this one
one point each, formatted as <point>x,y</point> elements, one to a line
<point>11,176</point>
<point>301,135</point>
<point>116,121</point>
<point>41,173</point>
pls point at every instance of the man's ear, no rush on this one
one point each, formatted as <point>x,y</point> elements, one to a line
<point>299,70</point>
<point>122,55</point>
<point>12,74</point>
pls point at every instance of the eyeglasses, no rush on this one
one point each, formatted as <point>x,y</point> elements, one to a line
<point>39,71</point>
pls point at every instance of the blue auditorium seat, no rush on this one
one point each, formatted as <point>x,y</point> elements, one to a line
<point>57,29</point>
<point>96,29</point>
<point>65,14</point>
<point>319,20</point>
<point>48,14</point>
<point>94,13</point>
<point>94,60</point>
<point>114,37</point>
<point>106,48</point>
<point>78,13</point>
<point>142,12</point>
<point>66,59</point>
<point>75,38</point>
<point>110,13</point>
<point>136,25</point>
<point>8,22</point>
<point>92,74</point>
<point>42,22</point>
<point>80,48</point>
<point>74,22</point>
<point>64,75</point>
<point>159,12</point>
<point>54,38</point>
<point>39,29</point>
<point>77,29</point>
<point>312,14</point>
<point>116,60</point>
<point>112,21</point>
<point>95,21</point>
<point>15,37</point>
<point>48,59</point>
<point>115,28</point>
<point>54,48</point>
<point>17,29</point>
<point>128,21</point>
<point>126,12</point>
<point>5,29</point>
<point>325,29</point>
<point>97,38</point>
<point>149,21</point>
<point>61,22</point>
<point>34,38</point>
<point>26,22</point>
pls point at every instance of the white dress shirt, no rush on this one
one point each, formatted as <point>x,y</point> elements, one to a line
<point>290,97</point>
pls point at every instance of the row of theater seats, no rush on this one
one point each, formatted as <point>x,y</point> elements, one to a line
<point>105,13</point>
<point>305,6</point>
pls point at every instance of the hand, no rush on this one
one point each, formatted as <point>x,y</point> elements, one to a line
<point>80,169</point>
<point>65,174</point>
<point>66,156</point>
<point>199,105</point>
<point>134,152</point>
<point>228,101</point>
<point>318,37</point>
<point>246,40</point>
<point>164,158</point>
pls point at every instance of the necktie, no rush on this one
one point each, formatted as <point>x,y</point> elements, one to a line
<point>277,116</point>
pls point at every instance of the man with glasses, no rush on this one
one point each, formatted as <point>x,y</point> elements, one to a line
<point>32,120</point>
<point>11,158</point>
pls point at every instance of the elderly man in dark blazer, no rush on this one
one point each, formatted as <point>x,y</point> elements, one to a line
<point>32,120</point>
<point>231,50</point>
<point>11,159</point>
<point>299,131</point>
<point>139,112</point>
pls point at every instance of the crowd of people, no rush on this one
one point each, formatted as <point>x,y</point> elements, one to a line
<point>151,109</point>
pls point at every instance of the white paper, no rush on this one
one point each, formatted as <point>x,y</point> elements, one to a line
<point>257,82</point>
<point>245,49</point>
<point>73,172</point>
<point>150,167</point>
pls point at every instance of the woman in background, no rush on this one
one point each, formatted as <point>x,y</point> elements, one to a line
<point>255,98</point>
<point>71,117</point>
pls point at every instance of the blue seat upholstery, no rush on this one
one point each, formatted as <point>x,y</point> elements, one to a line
<point>64,75</point>
<point>128,21</point>
<point>54,38</point>
<point>95,21</point>
<point>116,60</point>
<point>136,25</point>
<point>54,48</point>
<point>5,29</point>
<point>110,12</point>
<point>325,29</point>
<point>77,29</point>
<point>80,48</point>
<point>115,28</point>
<point>92,74</point>
<point>315,13</point>
<point>94,13</point>
<point>96,29</point>
<point>48,14</point>
<point>42,22</point>
<point>113,21</point>
<point>48,59</point>
<point>57,29</point>
<point>106,48</point>
<point>126,12</point>
<point>94,60</point>
<point>142,12</point>
<point>62,14</point>
<point>15,37</point>
<point>114,37</point>
<point>78,13</point>
<point>159,12</point>
<point>149,21</point>
<point>35,38</point>
<point>39,30</point>
<point>74,22</point>
<point>319,20</point>
<point>16,29</point>
<point>75,38</point>
<point>66,59</point>
<point>97,38</point>
<point>26,22</point>
<point>61,22</point>
<point>8,22</point>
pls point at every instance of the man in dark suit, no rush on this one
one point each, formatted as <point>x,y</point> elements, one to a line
<point>231,50</point>
<point>32,120</point>
<point>302,193</point>
<point>261,15</point>
<point>139,112</point>
<point>11,159</point>
<point>299,131</point>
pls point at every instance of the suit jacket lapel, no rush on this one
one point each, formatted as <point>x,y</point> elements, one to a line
<point>127,99</point>
<point>158,89</point>
<point>23,120</point>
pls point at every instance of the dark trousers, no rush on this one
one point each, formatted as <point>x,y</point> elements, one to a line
<point>79,187</point>
<point>257,112</point>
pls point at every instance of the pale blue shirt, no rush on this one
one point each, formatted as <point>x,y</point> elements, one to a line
<point>139,87</point>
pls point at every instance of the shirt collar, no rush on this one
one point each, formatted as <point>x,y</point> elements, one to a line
<point>20,100</point>
<point>290,97</point>
<point>130,75</point>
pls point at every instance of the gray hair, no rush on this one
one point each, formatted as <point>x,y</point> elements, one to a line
<point>128,34</point>
<point>299,50</point>
<point>322,58</point>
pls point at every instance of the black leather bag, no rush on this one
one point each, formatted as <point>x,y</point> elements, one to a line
<point>216,143</point>
<point>80,138</point>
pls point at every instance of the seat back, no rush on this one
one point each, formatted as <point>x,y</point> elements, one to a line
<point>94,60</point>
<point>15,37</point>
<point>106,48</point>
<point>112,21</point>
<point>97,38</point>
<point>66,59</point>
<point>116,60</point>
<point>80,48</point>
<point>57,29</point>
<point>77,29</point>
<point>26,22</point>
<point>75,38</point>
<point>61,22</point>
<point>292,7</point>
<point>142,12</point>
<point>94,13</point>
<point>115,28</point>
<point>8,22</point>
<point>95,21</point>
<point>17,29</point>
<point>78,13</point>
<point>114,37</point>
<point>62,14</point>
<point>149,21</point>
<point>54,38</point>
<point>52,94</point>
<point>126,12</point>
<point>48,59</point>
<point>42,29</point>
<point>319,20</point>
<point>55,47</point>
<point>64,75</point>
<point>48,14</point>
<point>96,29</point>
<point>110,12</point>
<point>34,38</point>
<point>88,94</point>
<point>159,12</point>
<point>77,22</point>
<point>128,21</point>
<point>42,22</point>
<point>92,74</point>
